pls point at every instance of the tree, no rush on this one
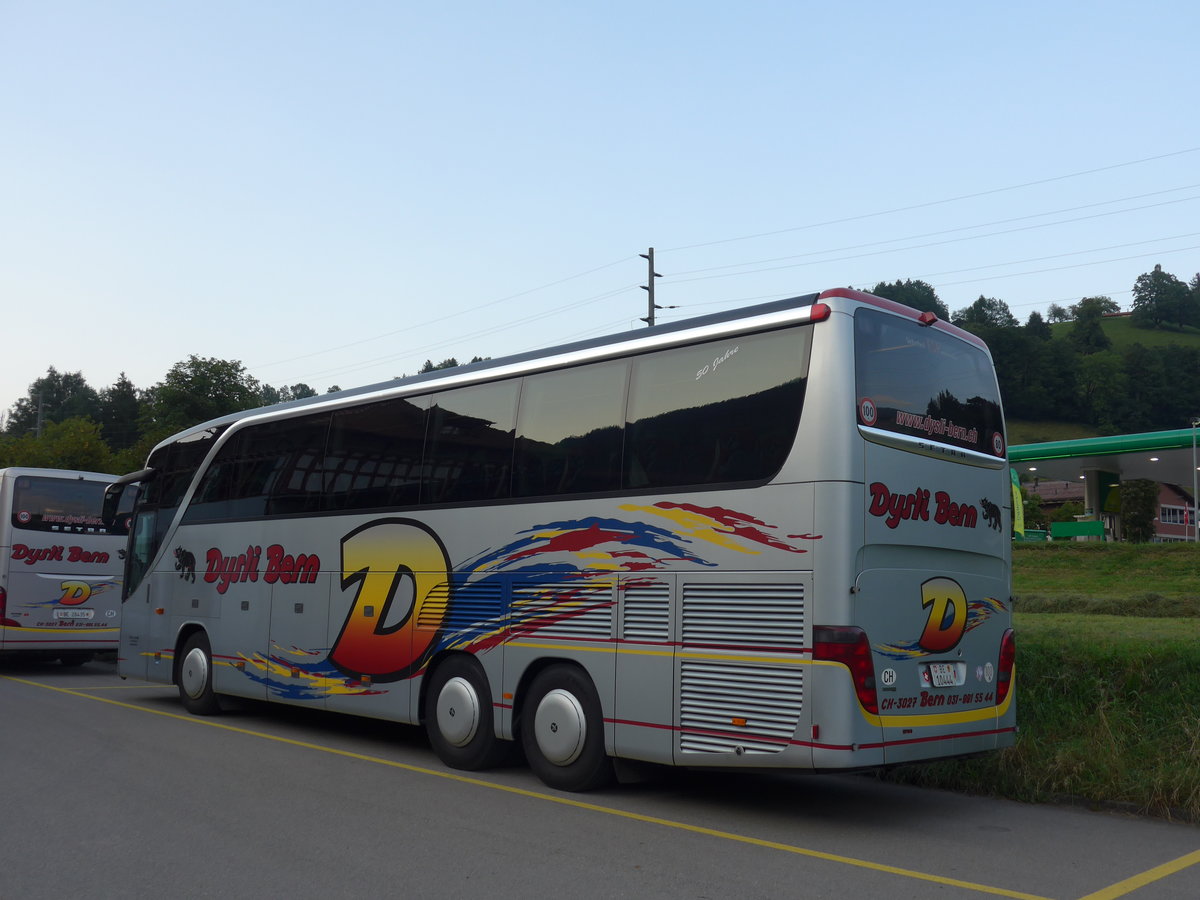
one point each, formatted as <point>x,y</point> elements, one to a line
<point>1101,306</point>
<point>986,312</point>
<point>1159,297</point>
<point>1037,327</point>
<point>1068,512</point>
<point>74,443</point>
<point>119,410</point>
<point>916,294</point>
<point>1058,380</point>
<point>1101,383</point>
<point>1139,503</point>
<point>54,397</point>
<point>1179,402</point>
<point>449,363</point>
<point>271,395</point>
<point>1057,313</point>
<point>1023,362</point>
<point>1145,386</point>
<point>1035,516</point>
<point>196,390</point>
<point>1086,335</point>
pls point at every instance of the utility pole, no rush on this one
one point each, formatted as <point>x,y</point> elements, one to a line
<point>649,286</point>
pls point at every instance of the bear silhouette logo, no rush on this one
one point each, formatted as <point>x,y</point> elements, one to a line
<point>185,564</point>
<point>991,513</point>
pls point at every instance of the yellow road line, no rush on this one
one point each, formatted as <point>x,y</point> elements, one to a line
<point>1129,885</point>
<point>116,687</point>
<point>562,801</point>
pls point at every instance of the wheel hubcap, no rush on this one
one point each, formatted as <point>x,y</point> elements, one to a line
<point>457,711</point>
<point>193,674</point>
<point>560,727</point>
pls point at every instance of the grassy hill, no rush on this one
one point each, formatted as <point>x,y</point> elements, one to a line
<point>1022,431</point>
<point>1123,335</point>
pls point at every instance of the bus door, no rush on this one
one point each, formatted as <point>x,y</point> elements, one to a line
<point>300,597</point>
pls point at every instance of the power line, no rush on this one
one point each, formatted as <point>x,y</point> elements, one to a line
<point>676,280</point>
<point>1073,265</point>
<point>1018,262</point>
<point>957,240</point>
<point>929,203</point>
<point>957,229</point>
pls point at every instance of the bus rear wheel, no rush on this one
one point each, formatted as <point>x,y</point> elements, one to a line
<point>194,677</point>
<point>458,716</point>
<point>562,730</point>
<point>75,658</point>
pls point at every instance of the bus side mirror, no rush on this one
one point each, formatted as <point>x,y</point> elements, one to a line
<point>112,501</point>
<point>115,491</point>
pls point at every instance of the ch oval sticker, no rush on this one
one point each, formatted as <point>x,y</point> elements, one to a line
<point>947,604</point>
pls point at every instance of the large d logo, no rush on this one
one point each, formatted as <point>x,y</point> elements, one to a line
<point>390,561</point>
<point>947,604</point>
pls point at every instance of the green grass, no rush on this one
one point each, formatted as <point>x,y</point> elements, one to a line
<point>1021,431</point>
<point>1123,335</point>
<point>1108,683</point>
<point>1119,579</point>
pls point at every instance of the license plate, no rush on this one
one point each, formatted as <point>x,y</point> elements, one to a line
<point>74,613</point>
<point>942,674</point>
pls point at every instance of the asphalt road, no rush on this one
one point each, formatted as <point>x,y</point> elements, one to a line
<point>111,790</point>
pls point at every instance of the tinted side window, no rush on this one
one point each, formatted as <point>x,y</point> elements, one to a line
<point>272,469</point>
<point>570,430</point>
<point>175,466</point>
<point>374,455</point>
<point>717,412</point>
<point>468,455</point>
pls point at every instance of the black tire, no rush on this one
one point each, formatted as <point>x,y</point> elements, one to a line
<point>194,677</point>
<point>562,730</point>
<point>75,658</point>
<point>458,716</point>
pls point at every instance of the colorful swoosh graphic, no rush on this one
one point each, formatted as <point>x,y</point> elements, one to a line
<point>978,612</point>
<point>565,572</point>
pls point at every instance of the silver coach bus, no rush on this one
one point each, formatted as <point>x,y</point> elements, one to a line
<point>777,537</point>
<point>60,565</point>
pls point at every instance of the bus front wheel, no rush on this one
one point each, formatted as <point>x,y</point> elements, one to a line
<point>562,730</point>
<point>195,677</point>
<point>458,716</point>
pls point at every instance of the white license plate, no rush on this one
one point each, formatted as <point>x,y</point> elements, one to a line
<point>74,613</point>
<point>942,674</point>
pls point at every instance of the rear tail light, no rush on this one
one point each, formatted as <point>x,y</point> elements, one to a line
<point>849,646</point>
<point>4,619</point>
<point>1008,655</point>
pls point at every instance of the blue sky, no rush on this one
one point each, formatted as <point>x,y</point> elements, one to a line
<point>332,193</point>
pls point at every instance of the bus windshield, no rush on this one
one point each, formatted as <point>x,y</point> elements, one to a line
<point>924,383</point>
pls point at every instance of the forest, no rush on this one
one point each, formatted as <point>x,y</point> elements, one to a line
<point>1091,364</point>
